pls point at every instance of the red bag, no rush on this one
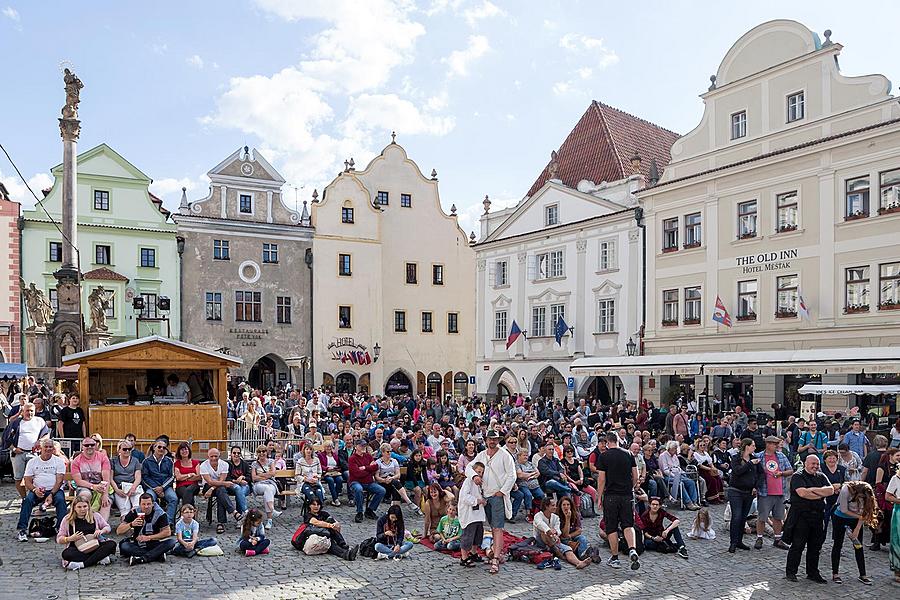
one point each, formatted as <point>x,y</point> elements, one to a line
<point>298,539</point>
<point>883,504</point>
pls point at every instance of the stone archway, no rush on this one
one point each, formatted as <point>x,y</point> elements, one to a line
<point>549,383</point>
<point>506,378</point>
<point>399,383</point>
<point>345,383</point>
<point>268,373</point>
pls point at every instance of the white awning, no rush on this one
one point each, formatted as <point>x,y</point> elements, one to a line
<point>863,390</point>
<point>822,361</point>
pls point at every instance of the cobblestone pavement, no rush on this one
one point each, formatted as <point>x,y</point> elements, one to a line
<point>33,571</point>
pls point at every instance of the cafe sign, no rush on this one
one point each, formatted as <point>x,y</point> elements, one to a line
<point>766,261</point>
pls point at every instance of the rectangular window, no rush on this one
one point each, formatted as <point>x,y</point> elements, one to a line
<point>55,251</point>
<point>692,305</point>
<point>246,203</point>
<point>148,257</point>
<point>795,107</point>
<point>670,307</point>
<point>213,306</point>
<point>557,312</point>
<point>400,321</point>
<point>101,200</point>
<point>606,315</point>
<point>381,199</point>
<point>427,326</point>
<point>53,298</point>
<point>270,253</point>
<point>412,274</point>
<point>890,192</point>
<point>453,322</point>
<point>501,273</point>
<point>149,310</point>
<point>406,200</point>
<point>500,325</point>
<point>786,296</point>
<point>344,317</point>
<point>693,233</point>
<point>747,220</point>
<point>538,321</point>
<point>103,254</point>
<point>221,250</point>
<point>551,215</point>
<point>670,235</point>
<point>346,215</point>
<point>747,291</point>
<point>437,274</point>
<point>889,286</point>
<point>787,211</point>
<point>344,265</point>
<point>857,286</point>
<point>607,255</point>
<point>739,125</point>
<point>248,306</point>
<point>283,310</point>
<point>549,265</point>
<point>111,309</point>
<point>857,198</point>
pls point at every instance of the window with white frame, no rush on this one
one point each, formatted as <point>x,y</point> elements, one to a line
<point>606,315</point>
<point>246,203</point>
<point>551,215</point>
<point>501,273</point>
<point>270,253</point>
<point>53,298</point>
<point>856,204</point>
<point>890,192</point>
<point>787,211</point>
<point>557,312</point>
<point>670,307</point>
<point>149,310</point>
<point>399,321</point>
<point>692,305</point>
<point>739,125</point>
<point>857,289</point>
<point>538,321</point>
<point>548,265</point>
<point>213,306</point>
<point>747,292</point>
<point>796,106</point>
<point>102,253</point>
<point>786,299</point>
<point>248,306</point>
<point>500,325</point>
<point>693,232</point>
<point>746,214</point>
<point>608,255</point>
<point>889,286</point>
<point>427,324</point>
<point>283,310</point>
<point>670,234</point>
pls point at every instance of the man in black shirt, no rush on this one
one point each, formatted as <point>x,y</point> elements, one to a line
<point>617,478</point>
<point>753,432</point>
<point>151,536</point>
<point>71,422</point>
<point>805,522</point>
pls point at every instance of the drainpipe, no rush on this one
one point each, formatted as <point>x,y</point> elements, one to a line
<point>179,243</point>
<point>308,259</point>
<point>639,219</point>
<point>20,224</point>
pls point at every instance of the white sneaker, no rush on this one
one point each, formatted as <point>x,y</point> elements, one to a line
<point>269,523</point>
<point>381,556</point>
<point>276,513</point>
<point>105,561</point>
<point>74,566</point>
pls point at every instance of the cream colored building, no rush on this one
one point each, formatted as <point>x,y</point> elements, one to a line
<point>788,188</point>
<point>393,284</point>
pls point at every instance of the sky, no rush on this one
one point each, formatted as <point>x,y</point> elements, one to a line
<point>480,90</point>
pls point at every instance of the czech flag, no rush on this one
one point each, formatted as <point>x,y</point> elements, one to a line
<point>514,333</point>
<point>720,314</point>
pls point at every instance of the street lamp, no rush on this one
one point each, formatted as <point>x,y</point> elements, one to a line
<point>630,347</point>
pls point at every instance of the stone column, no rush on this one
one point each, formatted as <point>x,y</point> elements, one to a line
<point>582,328</point>
<point>69,129</point>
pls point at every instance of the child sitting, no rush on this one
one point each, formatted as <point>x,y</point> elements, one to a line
<point>702,528</point>
<point>187,532</point>
<point>253,535</point>
<point>448,530</point>
<point>471,517</point>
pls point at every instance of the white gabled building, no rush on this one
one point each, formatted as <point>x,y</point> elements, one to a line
<point>570,250</point>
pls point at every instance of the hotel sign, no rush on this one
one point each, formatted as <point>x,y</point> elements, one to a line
<point>766,261</point>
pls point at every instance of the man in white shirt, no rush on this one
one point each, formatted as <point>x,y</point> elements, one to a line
<point>30,430</point>
<point>496,485</point>
<point>44,476</point>
<point>214,473</point>
<point>178,389</point>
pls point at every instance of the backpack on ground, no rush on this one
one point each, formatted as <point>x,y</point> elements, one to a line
<point>42,527</point>
<point>298,539</point>
<point>524,551</point>
<point>367,548</point>
<point>586,506</point>
<point>316,544</point>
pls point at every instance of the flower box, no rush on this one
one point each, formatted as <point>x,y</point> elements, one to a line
<point>669,323</point>
<point>856,216</point>
<point>694,245</point>
<point>671,249</point>
<point>890,208</point>
<point>748,317</point>
<point>747,236</point>
<point>785,314</point>
<point>889,306</point>
<point>691,321</point>
<point>856,308</point>
<point>786,228</point>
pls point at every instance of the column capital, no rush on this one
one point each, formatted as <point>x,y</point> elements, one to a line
<point>522,256</point>
<point>581,246</point>
<point>69,129</point>
<point>482,264</point>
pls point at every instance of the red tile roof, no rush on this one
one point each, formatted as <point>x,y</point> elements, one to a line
<point>159,205</point>
<point>104,274</point>
<point>600,146</point>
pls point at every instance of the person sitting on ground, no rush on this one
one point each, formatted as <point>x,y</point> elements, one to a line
<point>546,527</point>
<point>362,477</point>
<point>702,528</point>
<point>263,472</point>
<point>126,478</point>
<point>389,535</point>
<point>43,479</point>
<point>157,475</point>
<point>659,537</point>
<point>187,474</point>
<point>388,476</point>
<point>80,531</point>
<point>309,474</point>
<point>449,530</point>
<point>239,476</point>
<point>253,540</point>
<point>187,534</point>
<point>319,522</point>
<point>571,533</point>
<point>332,471</point>
<point>92,473</point>
<point>215,484</point>
<point>151,535</point>
<point>435,507</point>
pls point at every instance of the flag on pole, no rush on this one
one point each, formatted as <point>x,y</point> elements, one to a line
<point>720,314</point>
<point>561,329</point>
<point>514,333</point>
<point>802,308</point>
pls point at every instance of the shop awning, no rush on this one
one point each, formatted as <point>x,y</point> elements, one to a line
<point>13,370</point>
<point>860,390</point>
<point>822,361</point>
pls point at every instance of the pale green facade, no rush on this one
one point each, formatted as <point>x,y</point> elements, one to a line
<point>116,212</point>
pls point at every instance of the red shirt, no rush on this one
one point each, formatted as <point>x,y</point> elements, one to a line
<point>655,528</point>
<point>362,468</point>
<point>186,471</point>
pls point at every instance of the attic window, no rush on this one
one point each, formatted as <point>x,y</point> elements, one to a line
<point>796,106</point>
<point>739,125</point>
<point>551,215</point>
<point>101,200</point>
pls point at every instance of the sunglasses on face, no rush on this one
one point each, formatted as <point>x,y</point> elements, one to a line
<point>89,445</point>
<point>125,449</point>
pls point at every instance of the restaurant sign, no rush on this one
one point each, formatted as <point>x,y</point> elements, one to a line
<point>248,336</point>
<point>766,261</point>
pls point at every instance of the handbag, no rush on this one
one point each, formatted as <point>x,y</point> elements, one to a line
<point>880,500</point>
<point>85,546</point>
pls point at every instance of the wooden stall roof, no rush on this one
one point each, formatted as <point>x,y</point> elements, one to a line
<point>151,352</point>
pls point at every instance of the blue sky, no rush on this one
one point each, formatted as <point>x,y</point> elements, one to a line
<point>481,90</point>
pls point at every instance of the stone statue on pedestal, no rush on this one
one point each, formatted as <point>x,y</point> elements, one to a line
<point>99,303</point>
<point>39,310</point>
<point>73,95</point>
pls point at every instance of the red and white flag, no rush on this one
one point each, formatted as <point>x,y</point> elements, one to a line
<point>720,314</point>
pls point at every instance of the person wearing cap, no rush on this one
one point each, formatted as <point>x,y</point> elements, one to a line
<point>774,467</point>
<point>362,478</point>
<point>312,434</point>
<point>92,473</point>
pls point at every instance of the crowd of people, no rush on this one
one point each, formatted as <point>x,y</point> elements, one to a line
<point>468,469</point>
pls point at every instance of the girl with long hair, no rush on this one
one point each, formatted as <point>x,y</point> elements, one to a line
<point>389,534</point>
<point>81,531</point>
<point>570,530</point>
<point>253,535</point>
<point>855,507</point>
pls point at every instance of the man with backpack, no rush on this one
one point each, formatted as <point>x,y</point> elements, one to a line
<point>812,441</point>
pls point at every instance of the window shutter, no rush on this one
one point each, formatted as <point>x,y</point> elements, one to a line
<point>492,274</point>
<point>613,259</point>
<point>532,267</point>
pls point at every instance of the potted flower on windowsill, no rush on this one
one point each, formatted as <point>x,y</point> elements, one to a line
<point>893,207</point>
<point>747,317</point>
<point>855,215</point>
<point>670,249</point>
<point>787,227</point>
<point>692,245</point>
<point>852,309</point>
<point>670,322</point>
<point>889,305</point>
<point>692,321</point>
<point>747,236</point>
<point>785,314</point>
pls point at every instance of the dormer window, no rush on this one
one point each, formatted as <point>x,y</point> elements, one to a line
<point>551,215</point>
<point>796,107</point>
<point>739,125</point>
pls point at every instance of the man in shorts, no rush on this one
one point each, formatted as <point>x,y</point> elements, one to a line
<point>617,478</point>
<point>28,429</point>
<point>770,491</point>
<point>496,485</point>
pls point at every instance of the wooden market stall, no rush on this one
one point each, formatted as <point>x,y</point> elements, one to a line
<point>125,388</point>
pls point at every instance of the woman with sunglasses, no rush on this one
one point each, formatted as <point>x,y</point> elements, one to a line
<point>187,475</point>
<point>126,480</point>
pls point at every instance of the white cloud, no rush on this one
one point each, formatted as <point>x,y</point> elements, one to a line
<point>438,6</point>
<point>19,193</point>
<point>581,44</point>
<point>561,88</point>
<point>369,112</point>
<point>510,117</point>
<point>195,61</point>
<point>584,72</point>
<point>459,60</point>
<point>160,48</point>
<point>10,13</point>
<point>169,189</point>
<point>485,10</point>
<point>548,24</point>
